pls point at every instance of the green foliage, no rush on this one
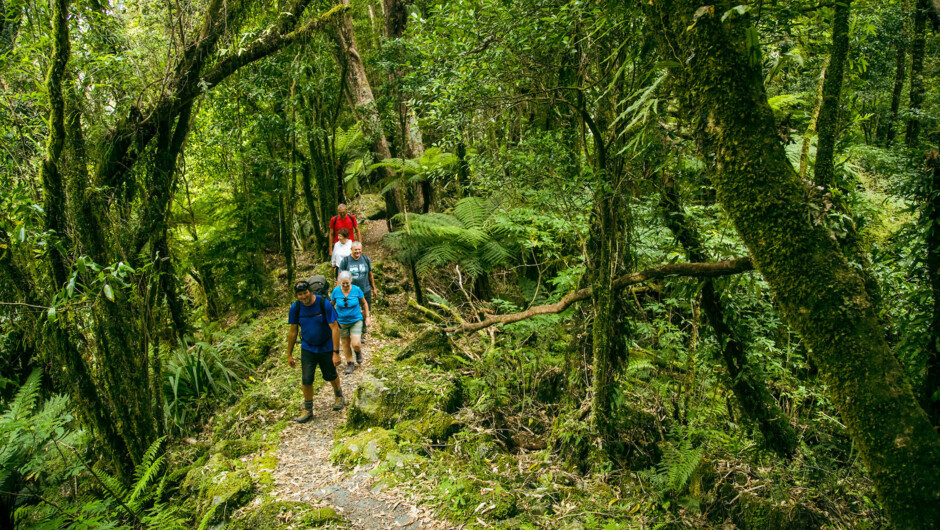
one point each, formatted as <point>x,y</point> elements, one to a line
<point>197,372</point>
<point>677,465</point>
<point>471,238</point>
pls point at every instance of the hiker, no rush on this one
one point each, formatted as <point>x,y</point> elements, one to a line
<point>341,249</point>
<point>343,220</point>
<point>318,333</point>
<point>360,267</point>
<point>350,304</point>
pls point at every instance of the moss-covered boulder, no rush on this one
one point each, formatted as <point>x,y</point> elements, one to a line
<point>371,445</point>
<point>217,489</point>
<point>394,395</point>
<point>435,426</point>
<point>432,347</point>
<point>283,514</point>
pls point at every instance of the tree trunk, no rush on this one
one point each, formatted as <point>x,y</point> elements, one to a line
<point>822,296</point>
<point>53,190</point>
<point>364,108</point>
<point>828,125</point>
<point>930,397</point>
<point>917,72</point>
<point>396,21</point>
<point>811,129</point>
<point>747,380</point>
<point>888,131</point>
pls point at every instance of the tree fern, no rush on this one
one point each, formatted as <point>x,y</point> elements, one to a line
<point>469,237</point>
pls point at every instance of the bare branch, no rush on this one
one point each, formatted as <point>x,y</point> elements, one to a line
<point>697,270</point>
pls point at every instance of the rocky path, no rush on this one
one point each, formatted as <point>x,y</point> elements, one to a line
<point>304,471</point>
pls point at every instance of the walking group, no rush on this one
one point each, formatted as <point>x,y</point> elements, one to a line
<point>327,321</point>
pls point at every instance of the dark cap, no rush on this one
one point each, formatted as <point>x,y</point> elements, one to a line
<point>301,286</point>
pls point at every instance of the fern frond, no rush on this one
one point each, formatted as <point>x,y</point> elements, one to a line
<point>25,399</point>
<point>148,468</point>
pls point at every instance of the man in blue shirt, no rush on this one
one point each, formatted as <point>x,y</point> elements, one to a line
<point>315,318</point>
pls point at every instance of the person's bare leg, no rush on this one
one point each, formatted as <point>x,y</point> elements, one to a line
<point>338,400</point>
<point>356,342</point>
<point>347,350</point>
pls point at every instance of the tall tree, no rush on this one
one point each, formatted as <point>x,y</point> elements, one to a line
<point>828,124</point>
<point>363,105</point>
<point>820,293</point>
<point>918,46</point>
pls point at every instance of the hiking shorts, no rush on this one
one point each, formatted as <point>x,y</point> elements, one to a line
<point>309,362</point>
<point>345,330</point>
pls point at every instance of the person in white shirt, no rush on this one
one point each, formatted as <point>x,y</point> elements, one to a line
<point>341,249</point>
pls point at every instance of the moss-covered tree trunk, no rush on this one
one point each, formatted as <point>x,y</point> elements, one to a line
<point>918,46</point>
<point>363,105</point>
<point>747,380</point>
<point>889,129</point>
<point>822,296</point>
<point>930,395</point>
<point>828,124</point>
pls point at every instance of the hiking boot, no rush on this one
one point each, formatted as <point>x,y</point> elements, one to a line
<point>305,417</point>
<point>358,357</point>
<point>349,368</point>
<point>339,402</point>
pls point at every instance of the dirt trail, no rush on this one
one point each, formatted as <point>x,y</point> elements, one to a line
<point>304,471</point>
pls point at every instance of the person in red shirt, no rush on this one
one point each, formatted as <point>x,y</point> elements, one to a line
<point>343,220</point>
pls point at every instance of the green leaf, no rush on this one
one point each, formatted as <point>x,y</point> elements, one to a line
<point>108,293</point>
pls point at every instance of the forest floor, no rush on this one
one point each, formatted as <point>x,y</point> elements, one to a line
<point>305,473</point>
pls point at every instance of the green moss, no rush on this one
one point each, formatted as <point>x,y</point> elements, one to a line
<point>468,499</point>
<point>218,489</point>
<point>369,446</point>
<point>283,514</point>
<point>434,426</point>
<point>753,512</point>
<point>235,448</point>
<point>399,395</point>
<point>432,347</point>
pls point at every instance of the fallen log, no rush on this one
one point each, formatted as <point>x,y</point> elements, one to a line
<point>696,270</point>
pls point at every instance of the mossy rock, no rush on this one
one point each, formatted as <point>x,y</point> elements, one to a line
<point>435,426</point>
<point>283,514</point>
<point>220,487</point>
<point>235,448</point>
<point>432,347</point>
<point>402,395</point>
<point>366,447</point>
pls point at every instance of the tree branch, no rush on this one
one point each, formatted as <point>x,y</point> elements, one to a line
<point>697,270</point>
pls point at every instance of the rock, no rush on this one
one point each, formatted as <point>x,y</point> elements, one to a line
<point>434,426</point>
<point>432,347</point>
<point>219,488</point>
<point>402,395</point>
<point>277,514</point>
<point>369,446</point>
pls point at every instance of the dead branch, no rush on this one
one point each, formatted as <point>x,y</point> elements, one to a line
<point>696,270</point>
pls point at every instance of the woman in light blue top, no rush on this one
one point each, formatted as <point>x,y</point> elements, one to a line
<point>350,304</point>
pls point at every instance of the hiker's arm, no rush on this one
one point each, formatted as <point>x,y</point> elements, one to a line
<point>291,339</point>
<point>358,233</point>
<point>365,308</point>
<point>372,281</point>
<point>334,328</point>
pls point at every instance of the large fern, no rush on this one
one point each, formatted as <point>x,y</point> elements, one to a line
<point>677,465</point>
<point>470,237</point>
